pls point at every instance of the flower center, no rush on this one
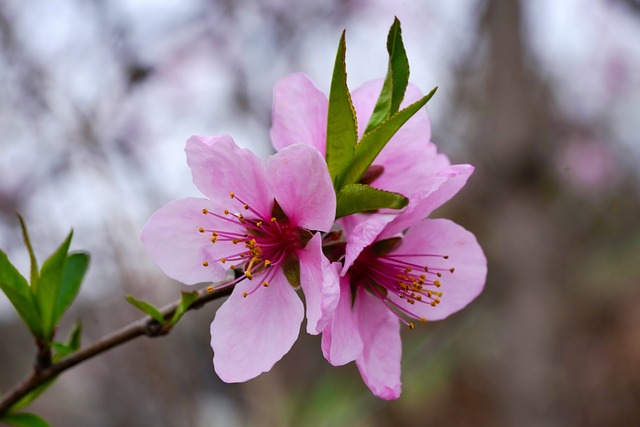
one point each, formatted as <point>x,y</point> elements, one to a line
<point>384,273</point>
<point>260,247</point>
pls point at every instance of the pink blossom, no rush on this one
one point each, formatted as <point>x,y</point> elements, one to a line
<point>261,220</point>
<point>432,271</point>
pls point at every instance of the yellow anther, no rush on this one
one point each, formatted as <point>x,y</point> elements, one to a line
<point>273,219</point>
<point>437,301</point>
<point>246,206</point>
<point>232,194</point>
<point>248,275</point>
<point>259,224</point>
<point>419,297</point>
<point>244,294</point>
<point>226,211</point>
<point>201,230</point>
<point>205,211</point>
<point>437,283</point>
<point>265,284</point>
<point>214,239</point>
<point>433,304</point>
<point>232,266</point>
<point>210,289</point>
<point>223,260</point>
<point>267,263</point>
<point>423,320</point>
<point>439,274</point>
<point>407,270</point>
<point>214,234</point>
<point>452,269</point>
<point>205,264</point>
<point>411,325</point>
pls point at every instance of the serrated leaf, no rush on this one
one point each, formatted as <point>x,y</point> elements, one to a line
<point>74,270</point>
<point>148,308</point>
<point>372,143</point>
<point>186,300</point>
<point>342,126</point>
<point>354,198</point>
<point>24,420</point>
<point>16,288</point>
<point>396,81</point>
<point>35,276</point>
<point>49,285</point>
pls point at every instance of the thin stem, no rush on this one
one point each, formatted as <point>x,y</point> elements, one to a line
<point>144,326</point>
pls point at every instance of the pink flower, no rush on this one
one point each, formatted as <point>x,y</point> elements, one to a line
<point>432,271</point>
<point>259,219</point>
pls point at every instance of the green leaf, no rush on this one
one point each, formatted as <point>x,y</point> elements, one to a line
<point>32,395</point>
<point>355,198</point>
<point>24,420</point>
<point>49,285</point>
<point>186,300</point>
<point>373,142</point>
<point>151,310</point>
<point>27,242</point>
<point>17,290</point>
<point>291,269</point>
<point>342,126</point>
<point>396,81</point>
<point>70,346</point>
<point>74,270</point>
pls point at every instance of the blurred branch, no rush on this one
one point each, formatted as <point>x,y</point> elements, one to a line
<point>145,326</point>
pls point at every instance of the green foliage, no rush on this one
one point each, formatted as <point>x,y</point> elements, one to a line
<point>396,81</point>
<point>16,288</point>
<point>186,301</point>
<point>348,159</point>
<point>148,308</point>
<point>354,198</point>
<point>70,346</point>
<point>24,420</point>
<point>342,126</point>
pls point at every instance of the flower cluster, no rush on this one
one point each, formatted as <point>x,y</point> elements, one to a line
<point>351,232</point>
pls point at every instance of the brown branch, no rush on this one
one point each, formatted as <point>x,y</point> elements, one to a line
<point>145,326</point>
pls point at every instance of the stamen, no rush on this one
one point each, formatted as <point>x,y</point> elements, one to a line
<point>201,230</point>
<point>205,264</point>
<point>232,195</point>
<point>205,211</point>
<point>210,289</point>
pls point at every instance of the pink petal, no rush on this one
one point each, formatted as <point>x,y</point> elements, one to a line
<point>249,335</point>
<point>437,190</point>
<point>298,177</point>
<point>320,284</point>
<point>299,113</point>
<point>362,230</point>
<point>341,341</point>
<point>379,363</point>
<point>444,237</point>
<point>220,167</point>
<point>172,239</point>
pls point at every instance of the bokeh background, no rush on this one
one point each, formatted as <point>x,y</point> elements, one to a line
<point>543,96</point>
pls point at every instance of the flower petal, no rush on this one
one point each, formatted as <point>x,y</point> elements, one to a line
<point>341,341</point>
<point>320,284</point>
<point>298,177</point>
<point>437,190</point>
<point>441,236</point>
<point>220,167</point>
<point>249,335</point>
<point>172,239</point>
<point>362,230</point>
<point>379,363</point>
<point>299,113</point>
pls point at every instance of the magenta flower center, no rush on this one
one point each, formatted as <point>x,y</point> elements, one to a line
<point>260,248</point>
<point>389,274</point>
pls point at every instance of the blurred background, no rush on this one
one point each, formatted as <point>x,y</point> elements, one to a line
<point>543,97</point>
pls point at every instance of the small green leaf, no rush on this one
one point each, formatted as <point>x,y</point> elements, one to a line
<point>27,242</point>
<point>74,270</point>
<point>32,395</point>
<point>355,198</point>
<point>48,288</point>
<point>396,81</point>
<point>186,300</point>
<point>373,142</point>
<point>151,310</point>
<point>17,290</point>
<point>24,420</point>
<point>72,344</point>
<point>291,269</point>
<point>342,126</point>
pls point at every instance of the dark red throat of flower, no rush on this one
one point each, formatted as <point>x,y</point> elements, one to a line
<point>265,244</point>
<point>383,273</point>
